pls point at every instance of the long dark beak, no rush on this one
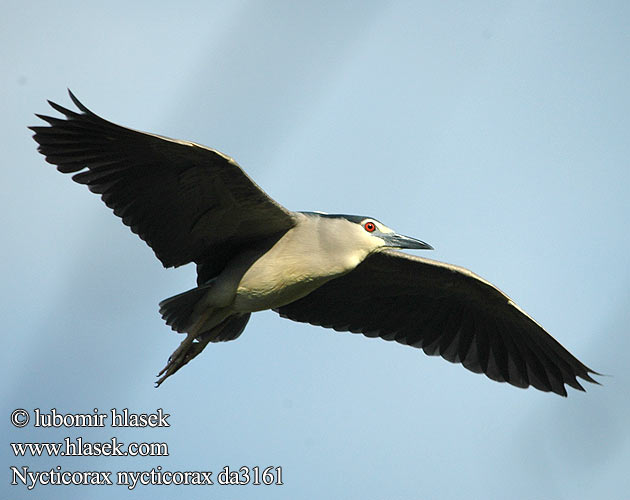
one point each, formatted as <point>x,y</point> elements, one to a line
<point>399,241</point>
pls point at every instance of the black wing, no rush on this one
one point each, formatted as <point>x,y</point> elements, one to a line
<point>188,202</point>
<point>445,310</point>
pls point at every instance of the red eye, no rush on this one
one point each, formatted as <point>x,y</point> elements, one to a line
<point>369,227</point>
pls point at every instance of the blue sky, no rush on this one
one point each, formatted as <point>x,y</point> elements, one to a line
<point>495,131</point>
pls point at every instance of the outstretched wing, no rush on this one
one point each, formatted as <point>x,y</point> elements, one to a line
<point>447,311</point>
<point>188,202</point>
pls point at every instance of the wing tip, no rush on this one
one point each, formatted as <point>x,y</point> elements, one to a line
<point>587,376</point>
<point>78,103</point>
<point>65,111</point>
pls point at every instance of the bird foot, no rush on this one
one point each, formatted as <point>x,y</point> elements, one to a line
<point>187,350</point>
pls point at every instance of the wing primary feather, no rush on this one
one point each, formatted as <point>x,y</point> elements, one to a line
<point>63,111</point>
<point>79,105</point>
<point>483,343</point>
<point>516,366</point>
<point>496,364</point>
<point>465,334</point>
<point>450,333</point>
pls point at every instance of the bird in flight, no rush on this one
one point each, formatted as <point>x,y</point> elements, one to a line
<point>191,203</point>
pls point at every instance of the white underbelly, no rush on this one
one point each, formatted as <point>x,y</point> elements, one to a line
<point>276,294</point>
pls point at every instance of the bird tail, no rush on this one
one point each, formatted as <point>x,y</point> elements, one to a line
<point>230,329</point>
<point>177,310</point>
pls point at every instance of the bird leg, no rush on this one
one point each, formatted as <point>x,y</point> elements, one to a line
<point>190,348</point>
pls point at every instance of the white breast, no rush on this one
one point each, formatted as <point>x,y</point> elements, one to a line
<point>314,252</point>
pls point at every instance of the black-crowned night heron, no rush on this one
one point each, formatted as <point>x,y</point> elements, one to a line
<point>194,204</point>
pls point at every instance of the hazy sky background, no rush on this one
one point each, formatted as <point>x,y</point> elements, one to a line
<point>496,131</point>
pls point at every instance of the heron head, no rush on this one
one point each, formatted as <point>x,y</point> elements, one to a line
<point>371,233</point>
<point>389,237</point>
